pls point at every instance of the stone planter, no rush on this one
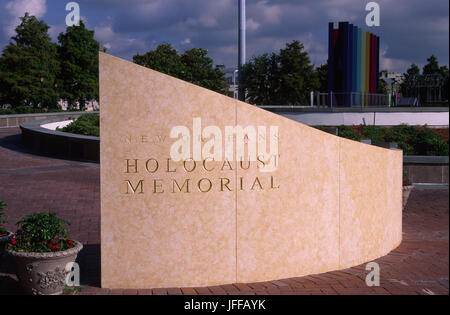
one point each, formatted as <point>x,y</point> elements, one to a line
<point>3,242</point>
<point>406,192</point>
<point>43,273</point>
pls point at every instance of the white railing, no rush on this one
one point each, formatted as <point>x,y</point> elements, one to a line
<point>352,99</point>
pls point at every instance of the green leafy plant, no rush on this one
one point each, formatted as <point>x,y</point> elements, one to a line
<point>88,125</point>
<point>349,133</point>
<point>375,134</point>
<point>413,140</point>
<point>41,232</point>
<point>417,141</point>
<point>3,231</point>
<point>406,181</point>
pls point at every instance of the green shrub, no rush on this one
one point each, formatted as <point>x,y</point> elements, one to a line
<point>375,134</point>
<point>415,141</point>
<point>3,221</point>
<point>41,232</point>
<point>88,125</point>
<point>412,140</point>
<point>7,111</point>
<point>349,133</point>
<point>406,181</point>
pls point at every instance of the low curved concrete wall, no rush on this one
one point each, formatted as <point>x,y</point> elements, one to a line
<point>10,121</point>
<point>60,144</point>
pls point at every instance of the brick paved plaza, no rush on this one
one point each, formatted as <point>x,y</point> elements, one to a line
<point>32,183</point>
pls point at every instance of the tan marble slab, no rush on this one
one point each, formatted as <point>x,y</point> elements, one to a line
<point>330,204</point>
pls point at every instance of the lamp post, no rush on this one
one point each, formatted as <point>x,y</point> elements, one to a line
<point>42,81</point>
<point>242,48</point>
<point>234,83</point>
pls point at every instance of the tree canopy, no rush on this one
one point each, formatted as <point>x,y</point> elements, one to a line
<point>432,67</point>
<point>286,78</point>
<point>38,73</point>
<point>193,66</point>
<point>29,66</point>
<point>322,75</point>
<point>78,55</point>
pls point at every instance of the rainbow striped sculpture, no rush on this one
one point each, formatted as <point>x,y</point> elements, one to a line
<point>353,65</point>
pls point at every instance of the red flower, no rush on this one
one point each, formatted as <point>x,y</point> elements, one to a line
<point>13,241</point>
<point>70,242</point>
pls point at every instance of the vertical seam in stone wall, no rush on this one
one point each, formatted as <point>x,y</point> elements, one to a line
<point>235,201</point>
<point>339,204</point>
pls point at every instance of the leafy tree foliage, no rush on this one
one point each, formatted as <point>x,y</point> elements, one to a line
<point>286,78</point>
<point>444,73</point>
<point>199,70</point>
<point>261,80</point>
<point>164,59</point>
<point>322,75</point>
<point>78,55</point>
<point>382,87</point>
<point>29,66</point>
<point>432,67</point>
<point>407,85</point>
<point>192,66</point>
<point>298,78</point>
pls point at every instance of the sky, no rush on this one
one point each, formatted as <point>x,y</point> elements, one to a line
<point>410,30</point>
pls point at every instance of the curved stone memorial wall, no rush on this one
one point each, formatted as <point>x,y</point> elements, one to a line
<point>180,208</point>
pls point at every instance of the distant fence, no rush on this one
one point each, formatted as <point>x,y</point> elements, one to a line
<point>350,99</point>
<point>377,116</point>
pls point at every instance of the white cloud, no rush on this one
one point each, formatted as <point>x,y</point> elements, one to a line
<point>186,41</point>
<point>271,13</point>
<point>252,25</point>
<point>17,8</point>
<point>116,43</point>
<point>392,64</point>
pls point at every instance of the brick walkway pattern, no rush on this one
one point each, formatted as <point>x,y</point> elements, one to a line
<point>32,183</point>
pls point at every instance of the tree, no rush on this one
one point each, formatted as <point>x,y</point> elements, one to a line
<point>164,59</point>
<point>286,78</point>
<point>198,69</point>
<point>322,75</point>
<point>407,86</point>
<point>382,87</point>
<point>298,78</point>
<point>443,71</point>
<point>413,70</point>
<point>28,66</point>
<point>432,67</point>
<point>193,66</point>
<point>261,80</point>
<point>78,55</point>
